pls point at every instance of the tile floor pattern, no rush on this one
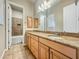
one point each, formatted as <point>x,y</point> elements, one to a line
<point>18,52</point>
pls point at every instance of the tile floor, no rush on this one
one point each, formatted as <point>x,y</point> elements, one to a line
<point>18,52</point>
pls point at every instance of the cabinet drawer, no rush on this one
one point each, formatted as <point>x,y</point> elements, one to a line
<point>56,55</point>
<point>66,50</point>
<point>28,34</point>
<point>35,37</point>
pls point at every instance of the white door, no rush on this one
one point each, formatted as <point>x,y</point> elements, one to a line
<point>70,18</point>
<point>9,26</point>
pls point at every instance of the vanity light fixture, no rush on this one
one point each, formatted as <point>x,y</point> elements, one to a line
<point>40,8</point>
<point>47,4</point>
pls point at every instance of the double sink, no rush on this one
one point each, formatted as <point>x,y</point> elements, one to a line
<point>58,37</point>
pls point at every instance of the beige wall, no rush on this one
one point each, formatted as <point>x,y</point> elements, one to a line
<point>2,39</point>
<point>2,34</point>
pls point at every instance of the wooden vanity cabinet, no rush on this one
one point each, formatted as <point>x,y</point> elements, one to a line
<point>43,51</point>
<point>34,45</point>
<point>56,55</point>
<point>28,41</point>
<point>46,49</point>
<point>25,39</point>
<point>69,51</point>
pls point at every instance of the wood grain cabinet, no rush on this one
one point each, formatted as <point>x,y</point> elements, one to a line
<point>56,55</point>
<point>36,22</point>
<point>43,51</point>
<point>30,22</point>
<point>28,41</point>
<point>34,46</point>
<point>46,49</point>
<point>62,48</point>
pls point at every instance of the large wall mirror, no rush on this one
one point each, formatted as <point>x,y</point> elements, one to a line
<point>63,16</point>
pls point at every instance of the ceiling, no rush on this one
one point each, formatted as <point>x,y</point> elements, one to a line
<point>16,8</point>
<point>33,1</point>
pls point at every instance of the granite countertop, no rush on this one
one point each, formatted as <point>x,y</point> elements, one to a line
<point>71,41</point>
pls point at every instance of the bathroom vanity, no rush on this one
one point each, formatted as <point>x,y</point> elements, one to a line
<point>48,46</point>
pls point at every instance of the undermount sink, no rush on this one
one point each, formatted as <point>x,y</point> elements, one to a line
<point>55,36</point>
<point>63,37</point>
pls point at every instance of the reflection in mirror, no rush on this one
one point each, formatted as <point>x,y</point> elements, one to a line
<point>42,23</point>
<point>63,17</point>
<point>69,18</point>
<point>51,23</point>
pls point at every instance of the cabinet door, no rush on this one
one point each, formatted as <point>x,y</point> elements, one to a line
<point>70,18</point>
<point>28,41</point>
<point>34,47</point>
<point>29,22</point>
<point>25,39</point>
<point>36,22</point>
<point>57,55</point>
<point>43,51</point>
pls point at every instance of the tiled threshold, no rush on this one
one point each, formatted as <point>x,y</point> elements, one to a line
<point>18,52</point>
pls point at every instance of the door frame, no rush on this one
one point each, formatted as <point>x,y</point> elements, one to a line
<point>9,25</point>
<point>6,29</point>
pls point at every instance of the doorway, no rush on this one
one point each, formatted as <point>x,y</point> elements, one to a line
<point>15,24</point>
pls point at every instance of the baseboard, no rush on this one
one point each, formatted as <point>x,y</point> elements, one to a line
<point>3,53</point>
